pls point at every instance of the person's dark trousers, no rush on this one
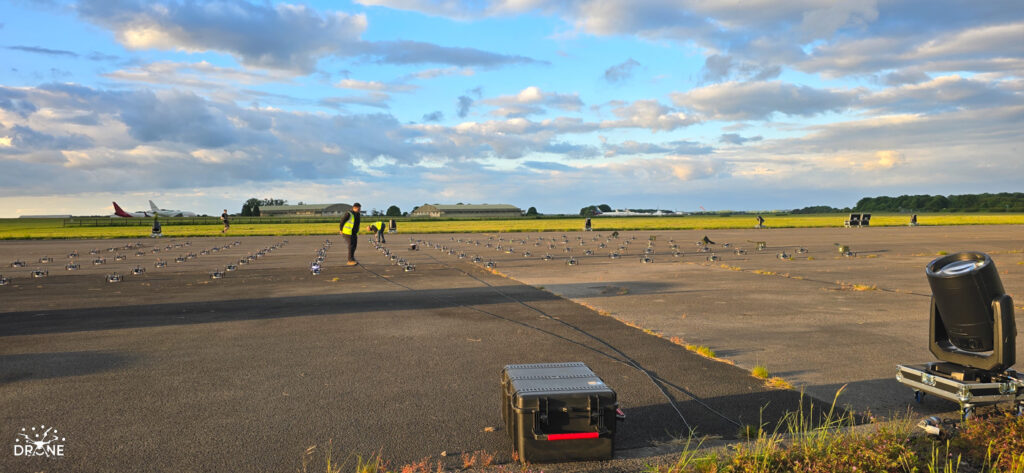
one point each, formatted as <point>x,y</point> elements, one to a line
<point>352,241</point>
<point>380,236</point>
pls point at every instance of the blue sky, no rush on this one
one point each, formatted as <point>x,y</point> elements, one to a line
<point>752,105</point>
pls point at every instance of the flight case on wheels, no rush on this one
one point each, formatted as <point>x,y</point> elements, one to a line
<point>964,386</point>
<point>558,412</point>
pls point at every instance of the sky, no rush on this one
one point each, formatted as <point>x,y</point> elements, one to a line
<point>556,104</point>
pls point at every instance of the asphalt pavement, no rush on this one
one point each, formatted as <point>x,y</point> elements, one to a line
<point>171,370</point>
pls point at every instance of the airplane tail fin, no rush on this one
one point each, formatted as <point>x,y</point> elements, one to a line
<point>120,212</point>
<point>153,206</point>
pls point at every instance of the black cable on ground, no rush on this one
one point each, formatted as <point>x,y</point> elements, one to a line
<point>627,360</point>
<point>654,379</point>
<point>523,324</point>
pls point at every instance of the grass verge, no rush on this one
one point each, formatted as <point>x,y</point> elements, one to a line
<point>804,441</point>
<point>800,444</point>
<point>54,229</point>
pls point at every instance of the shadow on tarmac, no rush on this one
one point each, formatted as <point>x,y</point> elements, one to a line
<point>21,367</point>
<point>185,313</point>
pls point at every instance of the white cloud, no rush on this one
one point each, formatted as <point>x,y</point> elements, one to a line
<point>649,114</point>
<point>197,75</point>
<point>760,100</point>
<point>885,159</point>
<point>941,93</point>
<point>441,72</point>
<point>374,86</point>
<point>283,37</point>
<point>233,27</point>
<point>532,101</point>
<point>850,36</point>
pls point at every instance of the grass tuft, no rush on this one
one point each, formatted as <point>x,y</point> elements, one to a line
<point>760,372</point>
<point>702,350</point>
<point>779,383</point>
<point>856,287</point>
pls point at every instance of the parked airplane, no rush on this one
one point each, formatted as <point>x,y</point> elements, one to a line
<point>155,212</point>
<point>169,213</point>
<point>119,212</point>
<point>630,213</point>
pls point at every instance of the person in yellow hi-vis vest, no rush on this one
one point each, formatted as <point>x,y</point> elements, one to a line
<point>350,231</point>
<point>378,228</point>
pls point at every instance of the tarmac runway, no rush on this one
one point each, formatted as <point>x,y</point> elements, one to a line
<point>171,370</point>
<point>817,318</point>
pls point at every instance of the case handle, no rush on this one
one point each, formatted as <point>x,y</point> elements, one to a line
<point>568,436</point>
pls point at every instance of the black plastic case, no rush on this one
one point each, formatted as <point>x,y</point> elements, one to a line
<point>558,412</point>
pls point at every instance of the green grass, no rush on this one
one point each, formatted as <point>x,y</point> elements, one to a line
<point>760,372</point>
<point>805,441</point>
<point>702,350</point>
<point>53,229</point>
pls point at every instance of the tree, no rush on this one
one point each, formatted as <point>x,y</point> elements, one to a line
<point>531,211</point>
<point>251,208</point>
<point>588,211</point>
<point>604,208</point>
<point>266,202</point>
<point>394,211</point>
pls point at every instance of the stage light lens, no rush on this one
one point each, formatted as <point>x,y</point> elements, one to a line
<point>959,267</point>
<point>964,286</point>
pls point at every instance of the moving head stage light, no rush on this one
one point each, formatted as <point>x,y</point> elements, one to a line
<point>972,332</point>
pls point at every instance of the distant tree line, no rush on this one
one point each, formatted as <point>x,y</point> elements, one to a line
<point>819,209</point>
<point>251,207</point>
<point>591,210</point>
<point>1002,202</point>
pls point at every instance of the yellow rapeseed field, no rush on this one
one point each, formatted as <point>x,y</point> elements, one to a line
<point>54,229</point>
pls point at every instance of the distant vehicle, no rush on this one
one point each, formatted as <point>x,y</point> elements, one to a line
<point>170,213</point>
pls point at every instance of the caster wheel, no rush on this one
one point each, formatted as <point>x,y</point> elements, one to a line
<point>1020,410</point>
<point>967,413</point>
<point>919,396</point>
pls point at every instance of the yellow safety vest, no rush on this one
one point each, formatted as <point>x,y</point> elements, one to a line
<point>379,225</point>
<point>347,229</point>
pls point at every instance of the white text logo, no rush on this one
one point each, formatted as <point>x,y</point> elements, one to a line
<point>38,442</point>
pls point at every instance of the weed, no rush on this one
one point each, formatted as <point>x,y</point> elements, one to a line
<point>468,461</point>
<point>702,350</point>
<point>486,459</point>
<point>760,372</point>
<point>818,442</point>
<point>856,287</point>
<point>942,253</point>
